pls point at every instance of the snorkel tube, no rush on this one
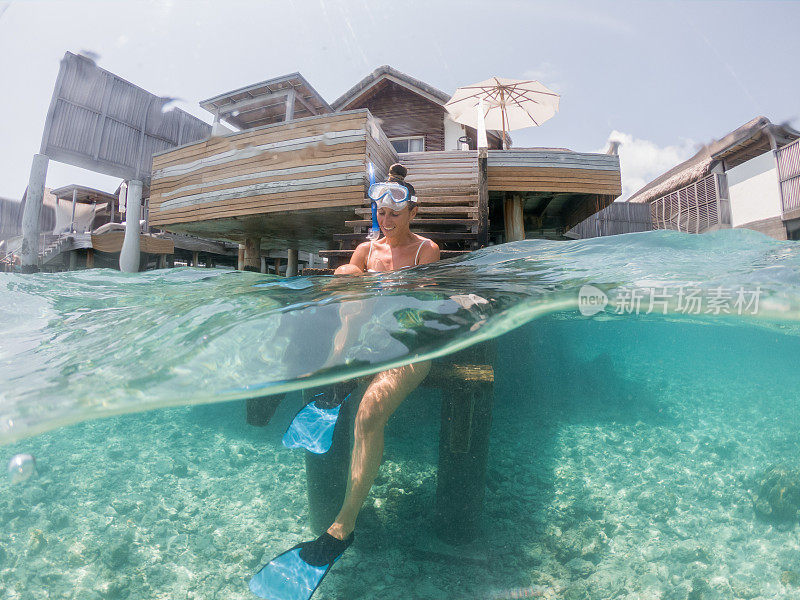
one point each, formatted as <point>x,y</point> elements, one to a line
<point>375,230</point>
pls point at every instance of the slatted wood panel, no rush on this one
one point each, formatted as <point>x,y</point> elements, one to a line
<point>529,170</point>
<point>695,208</point>
<point>788,159</point>
<point>446,184</point>
<point>403,113</point>
<point>305,164</point>
<point>614,219</point>
<point>112,242</point>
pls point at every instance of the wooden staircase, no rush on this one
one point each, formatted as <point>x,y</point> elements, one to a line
<point>447,188</point>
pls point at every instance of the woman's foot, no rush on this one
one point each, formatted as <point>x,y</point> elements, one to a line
<point>339,531</point>
<point>325,550</point>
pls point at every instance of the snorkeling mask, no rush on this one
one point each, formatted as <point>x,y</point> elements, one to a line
<point>390,194</point>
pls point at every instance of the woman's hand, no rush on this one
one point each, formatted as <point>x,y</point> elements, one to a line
<point>348,269</point>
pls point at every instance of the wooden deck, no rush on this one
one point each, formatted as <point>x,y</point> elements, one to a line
<point>301,184</point>
<point>290,184</point>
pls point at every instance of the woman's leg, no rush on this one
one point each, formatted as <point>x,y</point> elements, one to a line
<point>380,400</point>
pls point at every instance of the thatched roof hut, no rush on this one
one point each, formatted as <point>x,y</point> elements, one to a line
<point>748,141</point>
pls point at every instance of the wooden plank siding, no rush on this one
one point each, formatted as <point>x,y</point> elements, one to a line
<point>402,113</point>
<point>305,164</point>
<point>524,170</point>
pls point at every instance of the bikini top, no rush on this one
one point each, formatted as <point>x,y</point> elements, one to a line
<point>416,258</point>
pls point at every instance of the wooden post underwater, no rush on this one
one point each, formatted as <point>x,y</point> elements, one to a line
<point>463,455</point>
<point>252,254</point>
<point>483,197</point>
<point>34,197</point>
<point>326,474</point>
<point>291,262</point>
<point>514,222</point>
<point>129,255</point>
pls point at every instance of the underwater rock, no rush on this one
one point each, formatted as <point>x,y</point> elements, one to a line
<point>577,591</point>
<point>777,495</point>
<point>36,542</point>
<point>657,503</point>
<point>580,567</point>
<point>689,551</point>
<point>117,555</point>
<point>790,578</point>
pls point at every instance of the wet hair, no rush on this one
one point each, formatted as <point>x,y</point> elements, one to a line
<point>397,173</point>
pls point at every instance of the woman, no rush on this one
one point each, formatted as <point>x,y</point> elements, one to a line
<point>398,248</point>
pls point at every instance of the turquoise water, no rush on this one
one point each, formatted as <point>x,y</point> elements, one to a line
<point>625,450</point>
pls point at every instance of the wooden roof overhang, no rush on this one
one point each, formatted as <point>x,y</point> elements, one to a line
<point>740,145</point>
<point>85,195</point>
<point>279,99</point>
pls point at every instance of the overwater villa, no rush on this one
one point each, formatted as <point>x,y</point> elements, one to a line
<point>284,169</point>
<point>749,178</point>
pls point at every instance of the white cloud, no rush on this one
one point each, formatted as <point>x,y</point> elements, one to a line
<point>547,74</point>
<point>641,161</point>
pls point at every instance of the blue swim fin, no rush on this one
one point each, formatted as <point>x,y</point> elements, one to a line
<point>297,573</point>
<point>312,427</point>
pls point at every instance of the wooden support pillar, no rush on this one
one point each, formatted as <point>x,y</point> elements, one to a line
<point>130,255</point>
<point>514,222</point>
<point>463,456</point>
<point>326,474</point>
<point>483,197</point>
<point>291,262</point>
<point>240,262</point>
<point>34,198</point>
<point>252,254</point>
<point>90,258</point>
<point>195,258</point>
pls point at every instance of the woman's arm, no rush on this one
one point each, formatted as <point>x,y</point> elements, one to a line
<point>358,262</point>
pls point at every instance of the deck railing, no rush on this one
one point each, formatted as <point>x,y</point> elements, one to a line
<point>695,208</point>
<point>788,159</point>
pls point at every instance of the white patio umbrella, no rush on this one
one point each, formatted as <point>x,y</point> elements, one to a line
<point>505,104</point>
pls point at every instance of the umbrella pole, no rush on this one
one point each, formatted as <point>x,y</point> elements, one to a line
<point>503,116</point>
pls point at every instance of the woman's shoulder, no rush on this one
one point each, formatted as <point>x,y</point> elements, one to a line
<point>428,251</point>
<point>423,242</point>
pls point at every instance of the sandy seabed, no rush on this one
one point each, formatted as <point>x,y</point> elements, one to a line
<point>585,500</point>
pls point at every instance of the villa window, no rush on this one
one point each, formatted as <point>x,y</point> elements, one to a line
<point>408,144</point>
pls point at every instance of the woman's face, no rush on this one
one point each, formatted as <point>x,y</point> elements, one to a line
<point>395,222</point>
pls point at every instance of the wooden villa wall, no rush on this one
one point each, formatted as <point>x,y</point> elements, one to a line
<point>403,113</point>
<point>526,170</point>
<point>312,163</point>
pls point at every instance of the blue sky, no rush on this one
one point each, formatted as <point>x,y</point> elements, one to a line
<point>663,77</point>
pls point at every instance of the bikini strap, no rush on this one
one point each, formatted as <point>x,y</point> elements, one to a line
<point>416,258</point>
